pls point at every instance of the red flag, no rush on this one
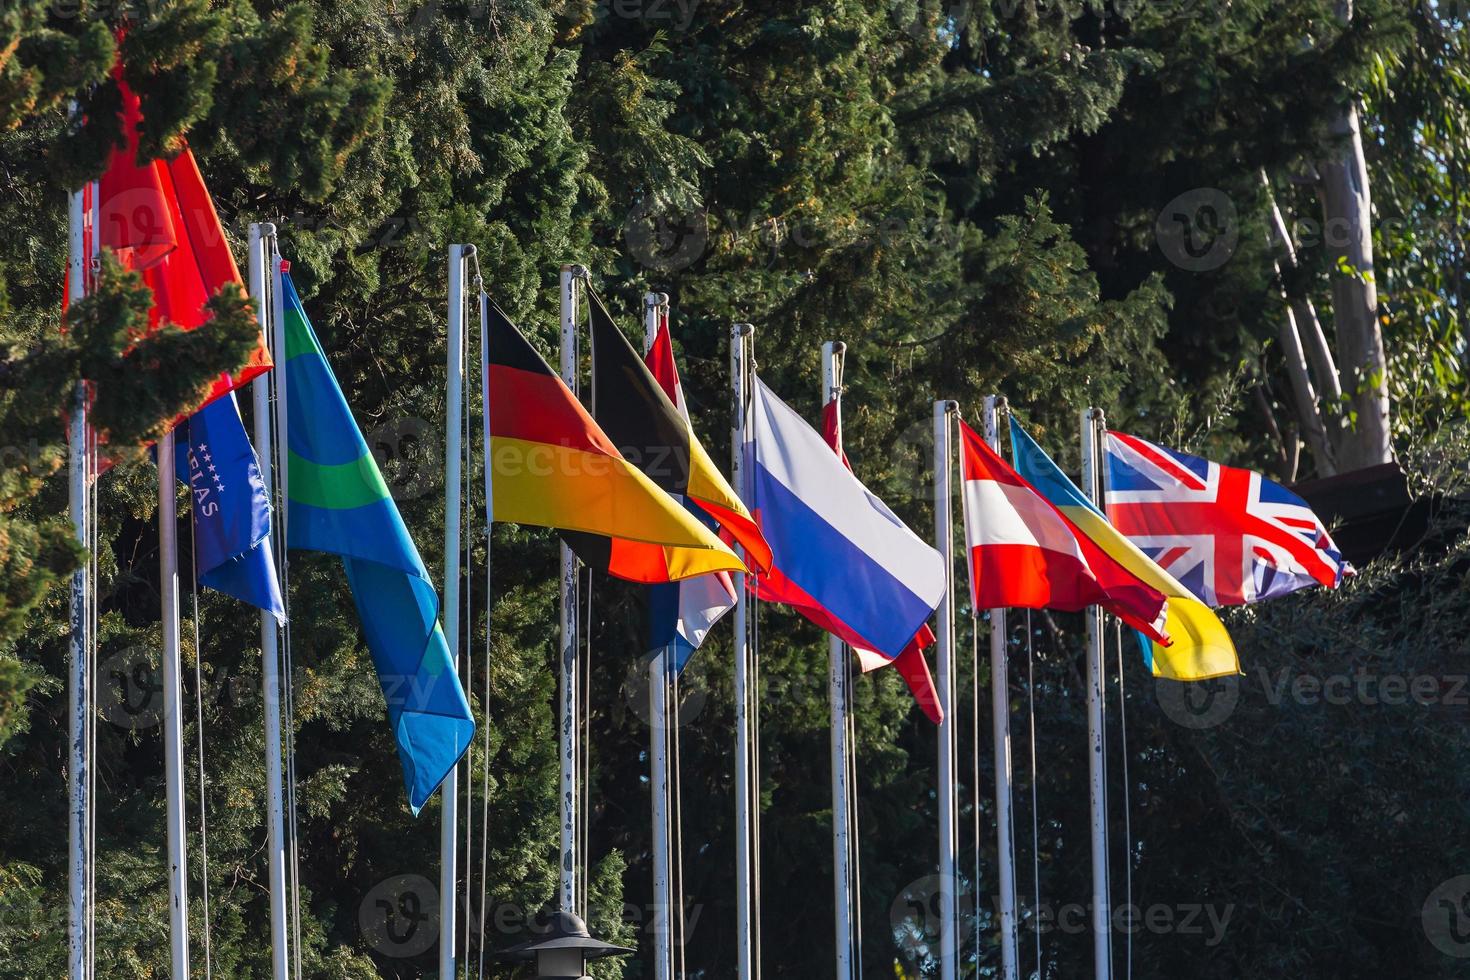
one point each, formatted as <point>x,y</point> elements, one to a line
<point>159,220</point>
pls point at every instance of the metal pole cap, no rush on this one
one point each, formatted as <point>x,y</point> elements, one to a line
<point>563,930</point>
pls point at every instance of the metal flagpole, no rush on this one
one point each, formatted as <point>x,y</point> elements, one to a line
<point>278,267</point>
<point>453,474</point>
<point>1000,704</point>
<point>569,900</point>
<point>79,686</point>
<point>655,306</point>
<point>270,656</point>
<point>94,246</point>
<point>173,729</point>
<point>944,414</point>
<point>742,338</point>
<point>281,526</point>
<point>837,681</point>
<point>1101,902</point>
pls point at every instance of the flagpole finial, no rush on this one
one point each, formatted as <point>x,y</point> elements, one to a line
<point>743,329</point>
<point>575,271</point>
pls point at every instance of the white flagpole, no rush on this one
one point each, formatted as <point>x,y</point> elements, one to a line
<point>173,729</point>
<point>944,414</point>
<point>79,687</point>
<point>1000,704</point>
<point>277,268</point>
<point>837,678</point>
<point>270,662</point>
<point>281,525</point>
<point>658,745</point>
<point>742,336</point>
<point>569,722</point>
<point>453,474</point>
<point>1101,907</point>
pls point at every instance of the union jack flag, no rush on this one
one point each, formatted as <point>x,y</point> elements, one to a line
<point>1229,535</point>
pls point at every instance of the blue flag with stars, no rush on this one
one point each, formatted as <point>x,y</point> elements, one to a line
<point>231,508</point>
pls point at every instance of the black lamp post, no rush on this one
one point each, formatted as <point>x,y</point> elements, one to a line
<point>561,952</point>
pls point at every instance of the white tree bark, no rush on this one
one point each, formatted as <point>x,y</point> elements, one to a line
<point>1304,395</point>
<point>1347,222</point>
<point>1347,225</point>
<point>1300,317</point>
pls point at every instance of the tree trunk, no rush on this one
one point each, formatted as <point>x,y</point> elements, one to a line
<point>1301,337</point>
<point>1347,224</point>
<point>1304,396</point>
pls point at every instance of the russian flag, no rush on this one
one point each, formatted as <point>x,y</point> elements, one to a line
<point>1025,553</point>
<point>840,556</point>
<point>910,664</point>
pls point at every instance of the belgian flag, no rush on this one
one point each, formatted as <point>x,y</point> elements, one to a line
<point>552,466</point>
<point>650,431</point>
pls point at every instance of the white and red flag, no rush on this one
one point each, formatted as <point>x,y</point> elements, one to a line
<point>1025,553</point>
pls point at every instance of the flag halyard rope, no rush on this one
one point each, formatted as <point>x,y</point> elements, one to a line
<point>484,299</point>
<point>199,732</point>
<point>1035,810</point>
<point>975,763</point>
<point>1127,803</point>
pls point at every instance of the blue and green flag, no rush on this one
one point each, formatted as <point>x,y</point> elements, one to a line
<point>338,503</point>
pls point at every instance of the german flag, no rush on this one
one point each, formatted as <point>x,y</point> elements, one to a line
<point>648,429</point>
<point>552,466</point>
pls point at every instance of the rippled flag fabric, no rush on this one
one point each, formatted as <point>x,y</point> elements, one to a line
<point>552,465</point>
<point>1230,535</point>
<point>633,409</point>
<point>1202,648</point>
<point>681,614</point>
<point>842,558</point>
<point>1026,553</point>
<point>339,503</point>
<point>158,219</point>
<point>911,665</point>
<point>231,508</point>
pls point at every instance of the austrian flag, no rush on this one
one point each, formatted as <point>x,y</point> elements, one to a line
<point>1025,553</point>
